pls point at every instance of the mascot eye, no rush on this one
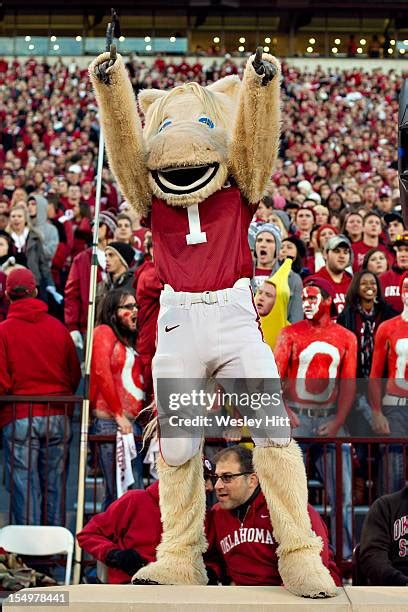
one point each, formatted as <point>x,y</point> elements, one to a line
<point>207,121</point>
<point>165,124</point>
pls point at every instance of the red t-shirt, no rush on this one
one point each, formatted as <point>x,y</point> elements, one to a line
<point>138,238</point>
<point>339,289</point>
<point>390,287</point>
<point>360,249</point>
<point>219,262</point>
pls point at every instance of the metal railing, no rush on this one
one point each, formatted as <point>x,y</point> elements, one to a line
<point>353,470</point>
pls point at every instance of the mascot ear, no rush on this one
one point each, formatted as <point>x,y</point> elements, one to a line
<point>147,96</point>
<point>229,85</point>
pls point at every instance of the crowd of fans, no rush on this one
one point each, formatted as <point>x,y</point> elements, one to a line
<point>331,208</point>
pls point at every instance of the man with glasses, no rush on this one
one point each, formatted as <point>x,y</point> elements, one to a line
<point>242,549</point>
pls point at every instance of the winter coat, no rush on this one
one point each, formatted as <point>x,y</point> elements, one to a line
<point>33,257</point>
<point>37,357</point>
<point>77,291</point>
<point>132,522</point>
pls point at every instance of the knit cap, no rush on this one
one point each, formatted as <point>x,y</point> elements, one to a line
<point>275,231</point>
<point>124,251</point>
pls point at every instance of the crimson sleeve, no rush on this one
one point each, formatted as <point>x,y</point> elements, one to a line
<point>101,371</point>
<point>72,299</point>
<point>380,356</point>
<point>101,534</point>
<point>5,376</point>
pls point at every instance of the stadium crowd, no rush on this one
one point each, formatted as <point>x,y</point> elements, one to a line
<point>330,220</point>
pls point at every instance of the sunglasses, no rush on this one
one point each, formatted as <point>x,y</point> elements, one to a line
<point>130,306</point>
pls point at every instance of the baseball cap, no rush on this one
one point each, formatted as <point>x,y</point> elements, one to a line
<point>401,239</point>
<point>336,241</point>
<point>393,216</point>
<point>76,168</point>
<point>321,283</point>
<point>20,282</point>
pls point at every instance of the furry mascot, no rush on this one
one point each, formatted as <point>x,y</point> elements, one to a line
<point>200,167</point>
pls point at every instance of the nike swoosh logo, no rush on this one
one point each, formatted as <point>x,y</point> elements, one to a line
<point>167,329</point>
<point>264,516</point>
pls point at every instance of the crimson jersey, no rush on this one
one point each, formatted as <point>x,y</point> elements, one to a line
<point>390,360</point>
<point>247,549</point>
<point>203,247</point>
<point>313,359</point>
<point>390,287</point>
<point>339,289</point>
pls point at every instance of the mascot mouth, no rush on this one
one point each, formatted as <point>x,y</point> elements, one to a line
<point>184,179</point>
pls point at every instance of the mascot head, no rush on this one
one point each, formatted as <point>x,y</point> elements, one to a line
<point>187,136</point>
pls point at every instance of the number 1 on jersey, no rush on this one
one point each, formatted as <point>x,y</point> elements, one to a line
<point>196,236</point>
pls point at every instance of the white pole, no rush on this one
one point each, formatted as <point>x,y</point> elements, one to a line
<point>83,448</point>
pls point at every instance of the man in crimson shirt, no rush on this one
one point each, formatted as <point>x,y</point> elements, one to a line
<point>337,253</point>
<point>390,281</point>
<point>389,411</point>
<point>372,229</point>
<point>242,549</point>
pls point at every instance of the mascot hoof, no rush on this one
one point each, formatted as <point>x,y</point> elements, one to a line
<point>304,575</point>
<point>171,571</point>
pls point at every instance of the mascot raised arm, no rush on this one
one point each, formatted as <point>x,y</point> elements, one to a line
<point>199,167</point>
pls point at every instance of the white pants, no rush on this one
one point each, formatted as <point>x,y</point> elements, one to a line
<point>200,340</point>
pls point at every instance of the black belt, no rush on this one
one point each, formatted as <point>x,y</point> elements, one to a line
<point>313,412</point>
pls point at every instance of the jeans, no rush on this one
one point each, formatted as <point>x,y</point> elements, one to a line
<point>325,463</point>
<point>393,474</point>
<point>36,454</point>
<point>107,459</point>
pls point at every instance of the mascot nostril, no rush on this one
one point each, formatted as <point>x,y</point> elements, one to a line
<point>200,166</point>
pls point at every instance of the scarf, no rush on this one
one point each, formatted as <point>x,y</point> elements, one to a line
<point>366,339</point>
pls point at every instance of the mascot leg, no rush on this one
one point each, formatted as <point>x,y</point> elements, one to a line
<point>282,477</point>
<point>182,506</point>
<point>279,465</point>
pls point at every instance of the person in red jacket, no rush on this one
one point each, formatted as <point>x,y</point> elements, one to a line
<point>77,287</point>
<point>37,357</point>
<point>337,253</point>
<point>148,288</point>
<point>117,389</point>
<point>126,536</point>
<point>242,549</point>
